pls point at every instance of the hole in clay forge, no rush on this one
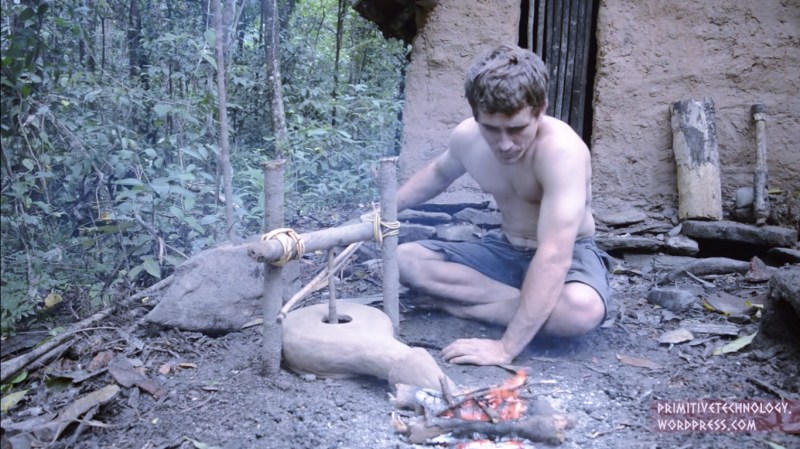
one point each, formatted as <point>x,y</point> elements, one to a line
<point>343,319</point>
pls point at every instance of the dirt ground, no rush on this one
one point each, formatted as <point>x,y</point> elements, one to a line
<point>211,393</point>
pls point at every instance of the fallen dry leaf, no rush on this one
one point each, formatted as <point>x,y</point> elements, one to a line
<point>10,400</point>
<point>75,410</point>
<point>676,336</point>
<point>187,365</point>
<point>637,362</point>
<point>165,368</point>
<point>735,345</point>
<point>125,375</point>
<point>726,303</point>
<point>101,360</point>
<point>52,300</point>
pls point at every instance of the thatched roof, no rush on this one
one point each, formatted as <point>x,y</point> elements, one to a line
<point>395,18</point>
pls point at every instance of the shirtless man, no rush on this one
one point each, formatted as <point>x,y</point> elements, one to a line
<point>544,274</point>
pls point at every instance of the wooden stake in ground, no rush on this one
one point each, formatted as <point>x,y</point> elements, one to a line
<point>391,272</point>
<point>694,142</point>
<point>273,281</point>
<point>760,202</point>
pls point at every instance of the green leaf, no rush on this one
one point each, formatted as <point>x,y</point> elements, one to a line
<point>162,109</point>
<point>736,345</point>
<point>211,37</point>
<point>773,445</point>
<point>209,59</point>
<point>129,182</point>
<point>152,268</point>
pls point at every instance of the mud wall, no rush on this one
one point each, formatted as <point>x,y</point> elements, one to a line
<point>453,35</point>
<point>652,53</point>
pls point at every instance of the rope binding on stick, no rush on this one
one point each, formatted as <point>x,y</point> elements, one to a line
<point>381,229</point>
<point>286,236</point>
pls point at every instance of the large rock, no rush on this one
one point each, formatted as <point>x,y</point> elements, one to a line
<point>216,291</point>
<point>781,315</point>
<point>731,231</point>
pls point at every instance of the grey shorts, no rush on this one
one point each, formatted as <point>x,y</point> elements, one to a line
<point>495,257</point>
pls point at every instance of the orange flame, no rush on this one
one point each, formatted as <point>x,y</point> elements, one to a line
<point>500,403</point>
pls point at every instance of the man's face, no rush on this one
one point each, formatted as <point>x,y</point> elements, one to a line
<point>509,136</point>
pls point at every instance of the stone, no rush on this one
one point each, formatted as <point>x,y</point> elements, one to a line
<point>731,231</point>
<point>675,300</point>
<point>637,244</point>
<point>784,255</point>
<point>462,232</point>
<point>424,218</point>
<point>448,208</point>
<point>680,245</point>
<point>480,218</point>
<point>217,291</point>
<point>410,232</point>
<point>652,227</point>
<point>623,217</point>
<point>744,197</point>
<point>780,318</point>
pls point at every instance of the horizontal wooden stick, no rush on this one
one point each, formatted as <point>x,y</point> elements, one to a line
<point>538,428</point>
<point>271,250</point>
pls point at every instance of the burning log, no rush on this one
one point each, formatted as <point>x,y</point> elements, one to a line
<point>494,412</point>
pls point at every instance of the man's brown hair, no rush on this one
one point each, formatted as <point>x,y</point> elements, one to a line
<point>505,80</point>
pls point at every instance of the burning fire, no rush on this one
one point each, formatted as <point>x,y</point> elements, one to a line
<point>499,403</point>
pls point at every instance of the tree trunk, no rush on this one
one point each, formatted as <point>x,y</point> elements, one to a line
<point>274,92</point>
<point>339,32</point>
<point>224,155</point>
<point>694,142</point>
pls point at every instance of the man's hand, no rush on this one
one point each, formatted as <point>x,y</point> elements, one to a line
<point>476,351</point>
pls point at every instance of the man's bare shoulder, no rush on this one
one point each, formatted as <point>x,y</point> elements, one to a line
<point>464,136</point>
<point>558,138</point>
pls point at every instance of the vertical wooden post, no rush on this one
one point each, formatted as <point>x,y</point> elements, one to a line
<point>391,272</point>
<point>273,280</point>
<point>694,142</point>
<point>760,202</point>
<point>333,315</point>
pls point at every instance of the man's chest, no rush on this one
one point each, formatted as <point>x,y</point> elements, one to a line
<point>504,182</point>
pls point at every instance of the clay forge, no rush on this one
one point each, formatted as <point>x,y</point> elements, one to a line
<point>361,343</point>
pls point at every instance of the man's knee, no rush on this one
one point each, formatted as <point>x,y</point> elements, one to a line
<point>412,259</point>
<point>580,310</point>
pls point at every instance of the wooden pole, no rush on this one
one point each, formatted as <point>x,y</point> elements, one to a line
<point>761,201</point>
<point>318,280</point>
<point>273,280</point>
<point>391,272</point>
<point>333,315</point>
<point>321,240</point>
<point>694,142</point>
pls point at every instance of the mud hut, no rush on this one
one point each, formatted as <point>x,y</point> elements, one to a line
<point>632,61</point>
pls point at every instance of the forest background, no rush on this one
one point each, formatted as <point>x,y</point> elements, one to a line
<point>134,134</point>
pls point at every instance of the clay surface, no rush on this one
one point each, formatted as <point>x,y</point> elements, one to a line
<point>362,344</point>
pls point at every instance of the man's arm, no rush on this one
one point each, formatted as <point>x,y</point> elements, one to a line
<point>564,175</point>
<point>430,181</point>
